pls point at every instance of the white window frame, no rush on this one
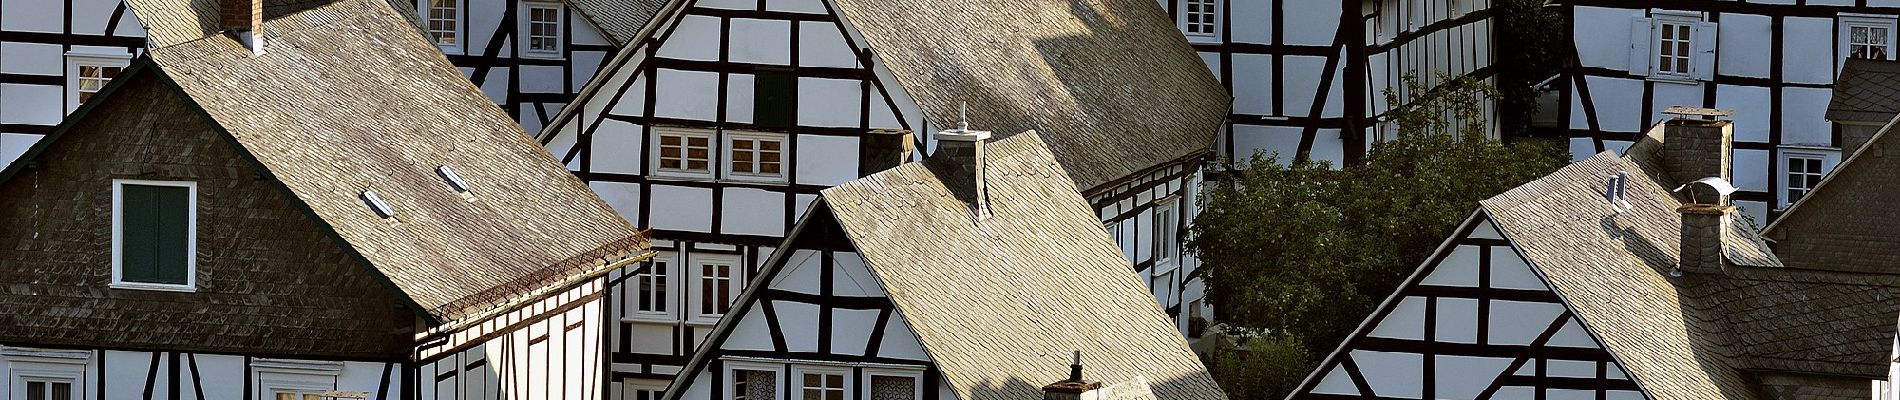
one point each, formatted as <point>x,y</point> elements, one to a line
<point>630,388</point>
<point>732,366</point>
<point>75,60</point>
<point>1181,20</point>
<point>726,156</point>
<point>525,29</point>
<point>1165,254</point>
<point>45,365</point>
<point>1829,159</point>
<point>712,153</point>
<point>423,10</point>
<point>1688,59</point>
<point>1849,22</point>
<point>670,299</point>
<point>916,376</point>
<point>300,376</point>
<point>695,267</point>
<point>191,241</point>
<point>799,371</point>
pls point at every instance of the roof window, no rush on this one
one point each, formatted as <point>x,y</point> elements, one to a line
<point>377,204</point>
<point>454,181</point>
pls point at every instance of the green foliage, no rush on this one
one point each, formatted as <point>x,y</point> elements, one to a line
<point>1270,367</point>
<point>1306,251</point>
<point>1535,47</point>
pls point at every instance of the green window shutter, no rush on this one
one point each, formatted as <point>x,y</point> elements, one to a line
<point>774,100</point>
<point>156,234</point>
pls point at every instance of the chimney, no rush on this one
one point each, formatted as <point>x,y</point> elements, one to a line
<point>1073,388</point>
<point>884,149</point>
<point>1699,153</point>
<point>243,18</point>
<point>960,152</point>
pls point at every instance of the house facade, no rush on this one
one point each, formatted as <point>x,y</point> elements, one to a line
<point>851,308</point>
<point>530,56</point>
<point>720,127</point>
<point>190,234</point>
<point>1775,64</point>
<point>1603,280</point>
<point>1309,77</point>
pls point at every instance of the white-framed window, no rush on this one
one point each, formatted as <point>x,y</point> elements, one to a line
<point>45,374</point>
<point>716,282</point>
<point>1199,18</point>
<point>154,235</point>
<point>279,379</point>
<point>1673,46</point>
<point>541,28</point>
<point>890,384</point>
<point>443,18</point>
<point>642,389</point>
<point>1167,248</point>
<point>1867,37</point>
<point>822,383</point>
<point>87,74</point>
<point>683,153</point>
<point>753,381</point>
<point>755,156</point>
<point>653,290</point>
<point>1802,170</point>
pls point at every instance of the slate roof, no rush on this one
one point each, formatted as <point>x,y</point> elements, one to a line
<point>1698,336</point>
<point>1000,303</point>
<point>1845,223</point>
<point>622,20</point>
<point>1111,84</point>
<point>329,123</point>
<point>170,22</point>
<point>1866,91</point>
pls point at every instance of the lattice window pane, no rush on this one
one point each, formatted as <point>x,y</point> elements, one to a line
<point>893,388</point>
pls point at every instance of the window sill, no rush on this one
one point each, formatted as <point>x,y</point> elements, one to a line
<point>1679,80</point>
<point>1195,38</point>
<point>681,176</point>
<point>744,178</point>
<point>157,287</point>
<point>542,55</point>
<point>702,321</point>
<point>650,319</point>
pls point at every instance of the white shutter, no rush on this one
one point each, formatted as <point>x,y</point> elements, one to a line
<point>1640,39</point>
<point>1704,51</point>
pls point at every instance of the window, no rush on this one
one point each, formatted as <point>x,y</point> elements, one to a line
<point>892,385</point>
<point>683,153</point>
<point>1200,18</point>
<point>643,389</point>
<point>1166,224</point>
<point>282,394</point>
<point>1804,173</point>
<point>1867,37</point>
<point>44,374</point>
<point>154,234</point>
<point>752,381</point>
<point>652,298</point>
<point>1673,41</point>
<point>444,20</point>
<point>279,379</point>
<point>86,75</point>
<point>774,100</point>
<point>822,383</point>
<point>541,27</point>
<point>48,389</point>
<point>716,281</point>
<point>755,157</point>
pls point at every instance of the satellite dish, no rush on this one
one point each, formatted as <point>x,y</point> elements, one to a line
<point>1721,186</point>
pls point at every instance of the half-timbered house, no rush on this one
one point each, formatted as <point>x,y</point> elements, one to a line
<point>1309,77</point>
<point>1775,63</point>
<point>974,274</point>
<point>264,211</point>
<point>1608,280</point>
<point>722,124</point>
<point>530,56</point>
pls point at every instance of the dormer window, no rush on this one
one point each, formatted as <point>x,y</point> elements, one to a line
<point>154,235</point>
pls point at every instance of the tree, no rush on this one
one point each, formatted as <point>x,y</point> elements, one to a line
<point>1537,48</point>
<point>1268,367</point>
<point>1305,251</point>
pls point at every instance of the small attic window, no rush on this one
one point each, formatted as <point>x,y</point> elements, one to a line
<point>454,181</point>
<point>377,204</point>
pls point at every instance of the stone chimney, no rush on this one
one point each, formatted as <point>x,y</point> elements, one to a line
<point>960,153</point>
<point>1695,150</point>
<point>243,18</point>
<point>884,149</point>
<point>1074,388</point>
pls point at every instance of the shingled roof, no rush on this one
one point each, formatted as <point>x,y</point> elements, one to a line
<point>170,22</point>
<point>329,123</point>
<point>1111,84</point>
<point>1697,336</point>
<point>1867,90</point>
<point>622,20</point>
<point>1844,223</point>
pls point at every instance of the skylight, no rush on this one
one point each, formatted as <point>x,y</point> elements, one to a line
<point>377,204</point>
<point>455,181</point>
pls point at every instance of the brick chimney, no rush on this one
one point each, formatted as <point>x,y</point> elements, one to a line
<point>960,152</point>
<point>1694,151</point>
<point>1074,388</point>
<point>243,18</point>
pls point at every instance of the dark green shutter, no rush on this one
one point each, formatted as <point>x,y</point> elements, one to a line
<point>155,232</point>
<point>774,100</point>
